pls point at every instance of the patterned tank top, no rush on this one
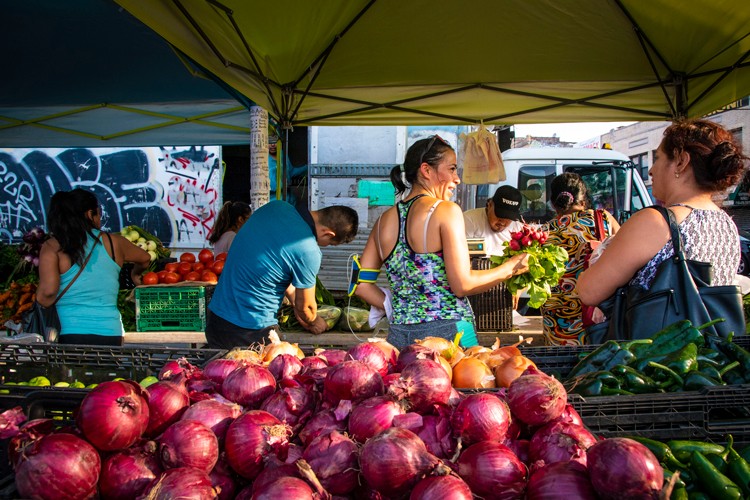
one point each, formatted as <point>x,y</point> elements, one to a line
<point>419,283</point>
<point>707,236</point>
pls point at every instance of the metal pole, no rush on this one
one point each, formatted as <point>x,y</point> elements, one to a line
<point>259,182</point>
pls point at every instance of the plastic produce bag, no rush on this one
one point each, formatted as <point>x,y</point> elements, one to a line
<point>355,319</point>
<point>481,158</point>
<point>330,314</point>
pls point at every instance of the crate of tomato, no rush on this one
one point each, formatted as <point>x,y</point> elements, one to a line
<point>205,267</point>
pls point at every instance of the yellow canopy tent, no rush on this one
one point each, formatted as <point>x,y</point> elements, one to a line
<point>381,62</point>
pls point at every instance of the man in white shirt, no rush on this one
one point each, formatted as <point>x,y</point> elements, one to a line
<point>497,220</point>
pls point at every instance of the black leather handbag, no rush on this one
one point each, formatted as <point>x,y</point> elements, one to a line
<point>681,290</point>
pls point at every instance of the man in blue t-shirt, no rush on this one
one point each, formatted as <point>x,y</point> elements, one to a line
<point>275,253</point>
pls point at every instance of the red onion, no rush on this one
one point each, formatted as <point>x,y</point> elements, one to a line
<point>413,352</point>
<point>201,386</point>
<point>371,355</point>
<point>394,461</point>
<point>213,414</point>
<point>10,420</point>
<point>390,379</point>
<point>58,466</point>
<point>520,447</point>
<point>217,370</point>
<point>423,383</point>
<point>437,434</point>
<point>310,363</point>
<point>352,380</point>
<point>291,405</point>
<point>560,481</point>
<point>623,468</point>
<point>536,398</point>
<point>189,444</point>
<point>251,437</point>
<point>455,398</point>
<point>126,474</point>
<point>285,366</point>
<point>332,356</point>
<point>272,473</point>
<point>559,442</point>
<point>492,470</point>
<point>31,431</point>
<point>249,385</point>
<point>284,488</point>
<point>176,367</point>
<point>570,415</point>
<point>323,422</point>
<point>481,417</point>
<point>182,482</point>
<point>167,401</point>
<point>223,480</point>
<point>447,487</point>
<point>372,416</point>
<point>114,415</point>
<point>333,458</point>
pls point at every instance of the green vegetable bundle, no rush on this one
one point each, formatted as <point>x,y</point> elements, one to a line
<point>546,264</point>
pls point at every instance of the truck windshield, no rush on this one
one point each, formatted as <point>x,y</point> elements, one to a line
<point>611,187</point>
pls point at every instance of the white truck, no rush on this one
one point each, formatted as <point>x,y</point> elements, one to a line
<point>612,179</point>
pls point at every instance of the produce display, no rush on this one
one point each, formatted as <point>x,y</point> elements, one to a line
<point>16,300</point>
<point>546,264</point>
<point>146,241</point>
<point>368,422</point>
<point>678,358</point>
<point>204,267</point>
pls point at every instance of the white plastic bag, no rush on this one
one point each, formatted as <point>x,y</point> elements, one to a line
<point>481,158</point>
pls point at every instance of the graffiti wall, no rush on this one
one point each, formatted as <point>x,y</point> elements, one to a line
<point>174,193</point>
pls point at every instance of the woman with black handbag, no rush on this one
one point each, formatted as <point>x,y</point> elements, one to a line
<point>79,270</point>
<point>696,161</point>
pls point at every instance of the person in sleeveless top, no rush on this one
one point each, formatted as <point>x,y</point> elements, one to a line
<point>88,309</point>
<point>231,217</point>
<point>421,244</point>
<point>696,161</point>
<point>573,229</point>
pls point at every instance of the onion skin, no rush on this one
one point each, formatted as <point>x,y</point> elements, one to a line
<point>189,444</point>
<point>492,470</point>
<point>413,352</point>
<point>58,467</point>
<point>217,370</point>
<point>126,474</point>
<point>223,480</point>
<point>285,367</point>
<point>623,468</point>
<point>332,356</point>
<point>252,436</point>
<point>423,383</point>
<point>114,415</point>
<point>437,434</point>
<point>481,417</point>
<point>535,398</point>
<point>351,380</point>
<point>249,385</point>
<point>290,488</point>
<point>185,483</point>
<point>334,458</point>
<point>560,442</point>
<point>272,350</point>
<point>373,416</point>
<point>214,414</point>
<point>560,481</point>
<point>167,402</point>
<point>441,487</point>
<point>371,355</point>
<point>394,461</point>
<point>291,405</point>
<point>323,422</point>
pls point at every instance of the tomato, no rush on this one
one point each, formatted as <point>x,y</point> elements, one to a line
<point>206,255</point>
<point>187,257</point>
<point>199,267</point>
<point>171,278</point>
<point>161,275</point>
<point>171,267</point>
<point>184,267</point>
<point>150,279</point>
<point>218,267</point>
<point>209,276</point>
<point>192,276</point>
<point>221,256</point>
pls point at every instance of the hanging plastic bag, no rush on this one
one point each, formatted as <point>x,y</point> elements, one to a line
<point>481,158</point>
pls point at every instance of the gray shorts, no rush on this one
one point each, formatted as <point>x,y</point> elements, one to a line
<point>402,335</point>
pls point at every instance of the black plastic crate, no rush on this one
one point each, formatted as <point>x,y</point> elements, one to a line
<point>493,309</point>
<point>708,415</point>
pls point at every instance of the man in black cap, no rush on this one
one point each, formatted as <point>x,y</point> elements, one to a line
<point>497,220</point>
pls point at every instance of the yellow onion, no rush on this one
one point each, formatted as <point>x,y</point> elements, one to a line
<point>390,351</point>
<point>272,350</point>
<point>510,369</point>
<point>446,365</point>
<point>472,373</point>
<point>444,347</point>
<point>250,355</point>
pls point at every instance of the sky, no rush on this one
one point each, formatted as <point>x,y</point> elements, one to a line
<point>568,132</point>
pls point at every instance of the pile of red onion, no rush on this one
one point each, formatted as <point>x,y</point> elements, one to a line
<point>345,425</point>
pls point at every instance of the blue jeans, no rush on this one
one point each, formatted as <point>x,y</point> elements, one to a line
<point>401,336</point>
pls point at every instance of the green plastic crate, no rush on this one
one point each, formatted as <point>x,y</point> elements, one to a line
<point>171,308</point>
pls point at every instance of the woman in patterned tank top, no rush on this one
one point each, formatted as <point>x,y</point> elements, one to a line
<point>421,244</point>
<point>696,160</point>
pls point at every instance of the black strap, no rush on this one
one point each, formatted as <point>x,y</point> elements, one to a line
<point>80,270</point>
<point>673,229</point>
<point>111,247</point>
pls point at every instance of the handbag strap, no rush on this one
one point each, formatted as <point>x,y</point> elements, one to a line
<point>674,230</point>
<point>80,270</point>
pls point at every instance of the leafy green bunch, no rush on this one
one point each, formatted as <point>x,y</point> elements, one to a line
<point>546,264</point>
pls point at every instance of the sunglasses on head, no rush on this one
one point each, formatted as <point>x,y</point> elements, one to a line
<point>429,146</point>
